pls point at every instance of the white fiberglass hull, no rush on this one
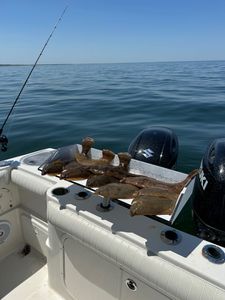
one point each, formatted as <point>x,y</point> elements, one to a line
<point>59,246</point>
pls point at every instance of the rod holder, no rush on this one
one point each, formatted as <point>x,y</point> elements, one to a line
<point>105,205</point>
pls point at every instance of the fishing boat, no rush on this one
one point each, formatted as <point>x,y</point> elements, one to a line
<point>59,240</point>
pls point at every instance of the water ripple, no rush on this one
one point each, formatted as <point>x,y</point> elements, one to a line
<point>112,102</point>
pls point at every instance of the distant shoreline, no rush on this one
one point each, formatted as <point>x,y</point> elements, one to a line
<point>105,63</point>
<point>22,65</point>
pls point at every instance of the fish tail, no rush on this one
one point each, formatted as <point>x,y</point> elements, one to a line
<point>62,176</point>
<point>190,176</point>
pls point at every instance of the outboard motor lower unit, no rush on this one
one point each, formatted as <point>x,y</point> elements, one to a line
<point>209,194</point>
<point>156,145</point>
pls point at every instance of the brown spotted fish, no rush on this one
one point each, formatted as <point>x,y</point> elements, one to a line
<point>117,190</point>
<point>53,168</point>
<point>71,165</point>
<point>157,191</point>
<point>107,155</point>
<point>124,159</point>
<point>147,182</point>
<point>100,180</point>
<point>85,160</point>
<point>118,172</point>
<point>151,205</point>
<point>158,199</point>
<point>59,158</point>
<point>114,171</point>
<point>106,159</point>
<point>86,145</point>
<point>74,171</point>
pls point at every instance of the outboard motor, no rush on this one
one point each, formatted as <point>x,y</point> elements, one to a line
<point>155,145</point>
<point>209,194</point>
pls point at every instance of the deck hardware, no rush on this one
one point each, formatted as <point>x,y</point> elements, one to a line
<point>214,254</point>
<point>36,159</point>
<point>4,231</point>
<point>82,195</point>
<point>26,250</point>
<point>60,191</point>
<point>105,205</point>
<point>170,237</point>
<point>131,284</point>
<point>30,162</point>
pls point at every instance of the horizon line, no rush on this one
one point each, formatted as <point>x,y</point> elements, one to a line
<point>89,63</point>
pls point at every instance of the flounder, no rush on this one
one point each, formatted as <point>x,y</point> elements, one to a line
<point>58,159</point>
<point>74,171</point>
<point>53,168</point>
<point>119,171</point>
<point>124,159</point>
<point>71,165</point>
<point>151,205</point>
<point>157,192</point>
<point>83,158</point>
<point>100,180</point>
<point>159,198</point>
<point>114,171</point>
<point>117,190</point>
<point>106,159</point>
<point>86,145</point>
<point>147,182</point>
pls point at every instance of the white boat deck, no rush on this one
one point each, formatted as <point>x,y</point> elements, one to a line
<point>93,254</point>
<point>25,277</point>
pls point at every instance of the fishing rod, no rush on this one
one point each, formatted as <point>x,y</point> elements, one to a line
<point>3,138</point>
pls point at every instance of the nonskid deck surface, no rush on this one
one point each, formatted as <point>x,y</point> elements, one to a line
<point>25,277</point>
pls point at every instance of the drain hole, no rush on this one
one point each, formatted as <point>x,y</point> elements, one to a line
<point>213,254</point>
<point>82,195</point>
<point>60,191</point>
<point>26,250</point>
<point>171,235</point>
<point>131,284</point>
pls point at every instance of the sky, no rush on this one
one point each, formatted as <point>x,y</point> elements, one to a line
<point>112,31</point>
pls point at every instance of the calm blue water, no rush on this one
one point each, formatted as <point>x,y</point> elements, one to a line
<point>112,103</point>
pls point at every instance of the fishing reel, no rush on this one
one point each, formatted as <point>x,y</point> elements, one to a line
<point>3,143</point>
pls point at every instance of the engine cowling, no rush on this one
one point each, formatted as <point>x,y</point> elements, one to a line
<point>209,194</point>
<point>156,145</point>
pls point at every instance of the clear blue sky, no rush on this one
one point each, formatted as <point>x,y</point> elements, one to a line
<point>112,30</point>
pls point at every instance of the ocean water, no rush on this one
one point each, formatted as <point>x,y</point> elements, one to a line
<point>112,103</point>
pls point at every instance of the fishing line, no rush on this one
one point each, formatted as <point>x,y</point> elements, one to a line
<point>3,138</point>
